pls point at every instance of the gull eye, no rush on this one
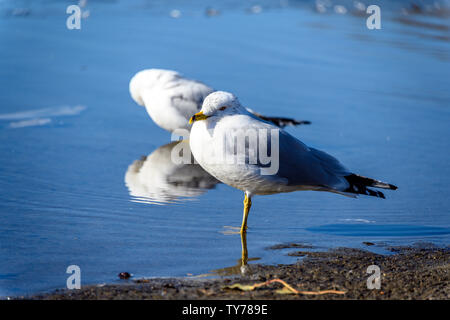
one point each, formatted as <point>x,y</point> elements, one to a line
<point>223,108</point>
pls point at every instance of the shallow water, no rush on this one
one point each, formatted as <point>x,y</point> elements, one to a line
<point>69,132</point>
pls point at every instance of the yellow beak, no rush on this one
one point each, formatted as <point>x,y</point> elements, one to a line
<point>198,116</point>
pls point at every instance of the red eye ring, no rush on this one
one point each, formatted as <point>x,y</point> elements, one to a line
<point>223,108</point>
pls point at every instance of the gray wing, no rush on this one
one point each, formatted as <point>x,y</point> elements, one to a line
<point>298,164</point>
<point>309,168</point>
<point>187,95</point>
<point>303,166</point>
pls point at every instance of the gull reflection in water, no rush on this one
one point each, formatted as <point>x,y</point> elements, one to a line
<point>161,178</point>
<point>241,266</point>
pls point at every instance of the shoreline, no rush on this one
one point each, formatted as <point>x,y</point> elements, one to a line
<point>412,272</point>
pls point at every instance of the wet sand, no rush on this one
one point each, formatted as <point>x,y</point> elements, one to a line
<point>417,272</point>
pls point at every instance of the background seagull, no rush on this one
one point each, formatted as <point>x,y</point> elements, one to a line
<point>171,99</point>
<point>299,167</point>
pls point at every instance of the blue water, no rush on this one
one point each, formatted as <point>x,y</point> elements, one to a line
<point>69,130</point>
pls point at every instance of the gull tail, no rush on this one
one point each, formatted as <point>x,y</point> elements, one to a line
<point>279,121</point>
<point>358,185</point>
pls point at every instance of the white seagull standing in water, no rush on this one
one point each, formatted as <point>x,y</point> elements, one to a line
<point>171,99</point>
<point>299,167</point>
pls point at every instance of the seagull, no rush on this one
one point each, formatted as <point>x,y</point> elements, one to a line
<point>171,99</point>
<point>213,137</point>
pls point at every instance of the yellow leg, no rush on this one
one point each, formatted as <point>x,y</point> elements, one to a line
<point>247,206</point>
<point>244,257</point>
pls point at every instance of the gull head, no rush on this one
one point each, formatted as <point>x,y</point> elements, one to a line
<point>218,104</point>
<point>149,79</point>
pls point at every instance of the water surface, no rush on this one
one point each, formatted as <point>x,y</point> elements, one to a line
<point>70,133</point>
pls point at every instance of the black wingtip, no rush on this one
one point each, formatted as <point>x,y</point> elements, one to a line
<point>280,121</point>
<point>392,187</point>
<point>359,185</point>
<point>283,122</point>
<point>297,122</point>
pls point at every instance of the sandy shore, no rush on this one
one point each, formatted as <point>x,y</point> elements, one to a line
<point>418,272</point>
